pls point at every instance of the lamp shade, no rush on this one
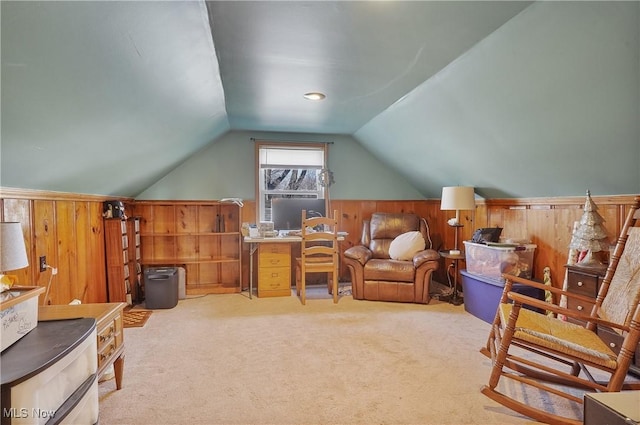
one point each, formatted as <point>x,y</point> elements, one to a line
<point>13,253</point>
<point>457,198</point>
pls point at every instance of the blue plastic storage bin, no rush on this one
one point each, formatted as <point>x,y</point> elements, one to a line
<point>482,294</point>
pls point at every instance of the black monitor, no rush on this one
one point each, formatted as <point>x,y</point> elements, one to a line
<point>286,213</point>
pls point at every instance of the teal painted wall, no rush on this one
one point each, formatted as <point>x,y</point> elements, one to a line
<point>225,168</point>
<point>547,105</point>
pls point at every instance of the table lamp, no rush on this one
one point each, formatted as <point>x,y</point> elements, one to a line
<point>13,253</point>
<point>457,198</point>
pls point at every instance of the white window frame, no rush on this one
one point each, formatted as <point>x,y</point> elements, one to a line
<point>262,192</point>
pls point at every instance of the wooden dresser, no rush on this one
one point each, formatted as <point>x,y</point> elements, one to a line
<point>274,270</point>
<point>586,281</point>
<point>109,327</point>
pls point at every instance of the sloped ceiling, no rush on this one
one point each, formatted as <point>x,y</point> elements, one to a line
<point>107,97</point>
<point>363,55</point>
<point>517,98</point>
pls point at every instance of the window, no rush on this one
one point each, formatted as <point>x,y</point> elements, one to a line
<point>287,170</point>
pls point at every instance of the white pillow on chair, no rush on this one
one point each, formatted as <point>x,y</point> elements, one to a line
<point>404,246</point>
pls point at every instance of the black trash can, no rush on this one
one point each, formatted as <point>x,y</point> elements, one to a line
<point>161,287</point>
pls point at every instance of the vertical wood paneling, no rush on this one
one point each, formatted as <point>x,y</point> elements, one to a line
<point>63,284</point>
<point>164,219</point>
<point>44,234</point>
<point>20,210</point>
<point>187,219</point>
<point>83,250</point>
<point>94,287</point>
<point>67,229</point>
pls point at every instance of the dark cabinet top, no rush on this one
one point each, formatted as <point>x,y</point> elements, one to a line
<point>42,347</point>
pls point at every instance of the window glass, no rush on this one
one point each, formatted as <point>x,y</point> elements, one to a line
<point>286,170</point>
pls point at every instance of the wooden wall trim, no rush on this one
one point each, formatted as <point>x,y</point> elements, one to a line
<point>559,201</point>
<point>33,194</point>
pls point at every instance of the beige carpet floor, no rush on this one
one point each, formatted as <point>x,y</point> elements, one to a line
<point>228,359</point>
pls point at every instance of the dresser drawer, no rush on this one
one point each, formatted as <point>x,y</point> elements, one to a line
<point>579,305</point>
<point>583,284</point>
<point>106,352</point>
<point>106,334</point>
<point>614,341</point>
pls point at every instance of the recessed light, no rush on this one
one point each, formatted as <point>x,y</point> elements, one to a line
<point>314,96</point>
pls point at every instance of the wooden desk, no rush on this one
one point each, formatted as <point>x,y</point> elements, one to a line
<point>254,243</point>
<point>109,326</point>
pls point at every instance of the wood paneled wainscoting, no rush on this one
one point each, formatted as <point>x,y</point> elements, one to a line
<point>69,230</point>
<point>547,222</point>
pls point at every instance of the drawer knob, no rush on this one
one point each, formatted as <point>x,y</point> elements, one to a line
<point>580,283</point>
<point>612,344</point>
<point>580,308</point>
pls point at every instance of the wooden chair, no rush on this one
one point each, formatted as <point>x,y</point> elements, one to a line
<point>319,252</point>
<point>552,355</point>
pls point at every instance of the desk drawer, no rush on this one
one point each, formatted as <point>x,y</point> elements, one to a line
<point>274,255</point>
<point>274,261</point>
<point>275,278</point>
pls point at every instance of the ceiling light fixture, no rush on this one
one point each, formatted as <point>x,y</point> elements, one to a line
<point>314,96</point>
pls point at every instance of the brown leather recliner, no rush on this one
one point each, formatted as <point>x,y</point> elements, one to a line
<point>377,277</point>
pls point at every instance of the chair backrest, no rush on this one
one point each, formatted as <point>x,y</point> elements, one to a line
<point>383,228</point>
<point>619,295</point>
<point>319,237</point>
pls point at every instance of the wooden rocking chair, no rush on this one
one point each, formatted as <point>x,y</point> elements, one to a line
<point>560,355</point>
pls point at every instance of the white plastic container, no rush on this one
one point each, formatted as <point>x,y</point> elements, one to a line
<point>493,260</point>
<point>19,313</point>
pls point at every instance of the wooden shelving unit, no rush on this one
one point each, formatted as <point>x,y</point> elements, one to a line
<point>135,259</point>
<point>201,236</point>
<point>117,254</point>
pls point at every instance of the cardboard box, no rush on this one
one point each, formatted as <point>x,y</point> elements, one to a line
<point>482,295</point>
<point>492,260</point>
<point>19,313</point>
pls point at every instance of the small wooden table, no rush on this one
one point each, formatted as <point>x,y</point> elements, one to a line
<point>109,330</point>
<point>455,257</point>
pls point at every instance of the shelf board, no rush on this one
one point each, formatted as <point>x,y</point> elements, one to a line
<point>190,234</point>
<point>165,261</point>
<point>212,288</point>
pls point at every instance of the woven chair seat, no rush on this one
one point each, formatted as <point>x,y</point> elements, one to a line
<point>564,337</point>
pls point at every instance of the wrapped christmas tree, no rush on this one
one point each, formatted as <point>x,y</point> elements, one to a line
<point>589,236</point>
